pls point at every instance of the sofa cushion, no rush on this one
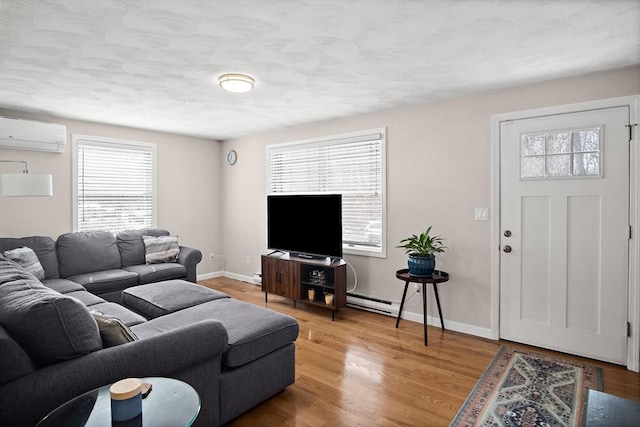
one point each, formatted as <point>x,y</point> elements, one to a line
<point>63,286</point>
<point>51,327</point>
<point>26,258</point>
<point>84,252</point>
<point>151,273</point>
<point>131,246</point>
<point>253,331</point>
<point>112,309</point>
<point>157,299</point>
<point>112,330</point>
<point>15,362</point>
<point>160,249</point>
<point>99,282</point>
<point>86,297</point>
<point>44,247</point>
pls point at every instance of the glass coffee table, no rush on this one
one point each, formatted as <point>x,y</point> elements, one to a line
<point>171,402</point>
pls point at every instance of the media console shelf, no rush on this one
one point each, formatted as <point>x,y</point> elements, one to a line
<point>294,278</point>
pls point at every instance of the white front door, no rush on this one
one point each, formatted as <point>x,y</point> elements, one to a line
<point>564,197</point>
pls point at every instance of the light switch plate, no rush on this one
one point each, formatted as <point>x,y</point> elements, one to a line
<point>482,214</point>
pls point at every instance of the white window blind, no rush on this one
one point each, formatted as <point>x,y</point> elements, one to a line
<point>115,185</point>
<point>349,165</point>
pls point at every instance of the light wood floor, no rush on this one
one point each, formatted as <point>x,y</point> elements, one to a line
<point>361,371</point>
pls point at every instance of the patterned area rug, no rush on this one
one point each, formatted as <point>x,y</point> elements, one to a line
<point>523,388</point>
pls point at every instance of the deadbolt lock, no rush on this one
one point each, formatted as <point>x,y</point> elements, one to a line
<point>507,249</point>
<point>507,233</point>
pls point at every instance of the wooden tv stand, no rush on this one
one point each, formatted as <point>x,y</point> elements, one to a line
<point>293,277</point>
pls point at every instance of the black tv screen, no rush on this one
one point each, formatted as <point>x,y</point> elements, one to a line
<point>305,224</point>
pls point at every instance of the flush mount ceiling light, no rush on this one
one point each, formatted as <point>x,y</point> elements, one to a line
<point>236,82</point>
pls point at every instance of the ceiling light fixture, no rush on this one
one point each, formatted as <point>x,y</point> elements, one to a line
<point>236,82</point>
<point>25,184</point>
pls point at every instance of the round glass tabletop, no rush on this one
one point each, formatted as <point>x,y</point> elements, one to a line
<point>170,402</point>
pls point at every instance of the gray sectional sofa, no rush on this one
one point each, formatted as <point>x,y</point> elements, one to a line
<point>236,355</point>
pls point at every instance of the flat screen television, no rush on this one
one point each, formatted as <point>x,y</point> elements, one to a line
<point>306,225</point>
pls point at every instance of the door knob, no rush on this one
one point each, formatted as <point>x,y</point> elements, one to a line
<point>507,233</point>
<point>507,249</point>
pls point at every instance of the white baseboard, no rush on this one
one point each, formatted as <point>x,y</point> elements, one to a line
<point>448,324</point>
<point>391,310</point>
<point>379,308</point>
<point>228,274</point>
<point>210,275</point>
<point>240,277</point>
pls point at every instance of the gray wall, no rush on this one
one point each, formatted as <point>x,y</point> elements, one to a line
<point>438,171</point>
<point>188,187</point>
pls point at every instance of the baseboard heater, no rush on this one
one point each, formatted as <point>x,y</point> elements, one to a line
<point>375,305</point>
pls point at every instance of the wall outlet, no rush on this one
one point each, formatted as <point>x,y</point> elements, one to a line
<point>248,259</point>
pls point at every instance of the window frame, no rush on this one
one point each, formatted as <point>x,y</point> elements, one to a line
<point>99,141</point>
<point>335,140</point>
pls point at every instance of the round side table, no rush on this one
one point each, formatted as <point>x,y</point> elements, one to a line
<point>434,279</point>
<point>170,403</point>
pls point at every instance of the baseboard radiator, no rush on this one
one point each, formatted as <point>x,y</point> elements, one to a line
<point>375,305</point>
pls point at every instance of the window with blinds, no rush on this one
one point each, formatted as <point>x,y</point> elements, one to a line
<point>351,165</point>
<point>114,184</point>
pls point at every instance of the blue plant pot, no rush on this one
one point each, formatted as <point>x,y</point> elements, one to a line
<point>421,266</point>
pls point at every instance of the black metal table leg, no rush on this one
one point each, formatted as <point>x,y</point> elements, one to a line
<point>424,310</point>
<point>265,297</point>
<point>404,294</point>
<point>438,276</point>
<point>435,291</point>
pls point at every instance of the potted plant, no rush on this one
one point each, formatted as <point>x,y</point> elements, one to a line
<point>421,250</point>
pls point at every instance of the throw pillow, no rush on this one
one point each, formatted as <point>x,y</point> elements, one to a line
<point>160,249</point>
<point>26,258</point>
<point>112,331</point>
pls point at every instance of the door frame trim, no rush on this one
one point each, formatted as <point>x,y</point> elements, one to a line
<point>633,309</point>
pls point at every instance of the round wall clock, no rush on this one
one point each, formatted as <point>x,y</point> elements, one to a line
<point>232,157</point>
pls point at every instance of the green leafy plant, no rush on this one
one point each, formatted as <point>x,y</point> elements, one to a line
<point>422,245</point>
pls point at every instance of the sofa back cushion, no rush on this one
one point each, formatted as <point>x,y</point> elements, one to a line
<point>15,362</point>
<point>44,247</point>
<point>51,327</point>
<point>86,252</point>
<point>131,246</point>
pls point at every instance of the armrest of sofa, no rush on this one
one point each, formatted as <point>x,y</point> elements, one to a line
<point>26,400</point>
<point>190,257</point>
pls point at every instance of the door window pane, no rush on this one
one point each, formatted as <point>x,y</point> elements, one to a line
<point>533,167</point>
<point>586,140</point>
<point>561,154</point>
<point>559,165</point>
<point>533,145</point>
<point>558,142</point>
<point>586,164</point>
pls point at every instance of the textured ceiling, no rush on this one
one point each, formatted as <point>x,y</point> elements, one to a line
<point>154,64</point>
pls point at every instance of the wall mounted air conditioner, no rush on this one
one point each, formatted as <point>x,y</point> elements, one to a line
<point>21,134</point>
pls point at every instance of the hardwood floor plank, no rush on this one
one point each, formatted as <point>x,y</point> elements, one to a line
<point>362,371</point>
